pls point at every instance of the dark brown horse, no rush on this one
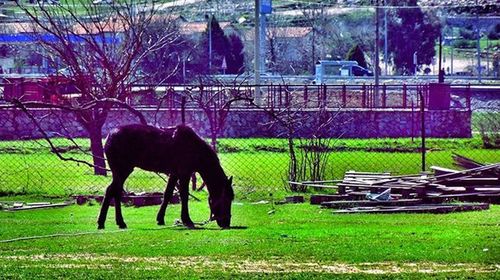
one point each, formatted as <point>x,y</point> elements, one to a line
<point>175,151</point>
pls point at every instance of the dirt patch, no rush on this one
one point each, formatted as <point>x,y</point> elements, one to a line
<point>274,265</point>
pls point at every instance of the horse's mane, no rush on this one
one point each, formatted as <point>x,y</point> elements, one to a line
<point>186,134</point>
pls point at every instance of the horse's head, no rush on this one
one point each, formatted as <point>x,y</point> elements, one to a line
<point>221,205</point>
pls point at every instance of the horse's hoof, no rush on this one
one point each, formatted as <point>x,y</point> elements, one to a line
<point>160,223</point>
<point>189,225</point>
<point>100,226</point>
<point>122,226</point>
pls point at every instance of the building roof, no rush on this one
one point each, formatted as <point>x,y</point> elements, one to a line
<point>281,32</point>
<point>190,28</point>
<point>17,27</point>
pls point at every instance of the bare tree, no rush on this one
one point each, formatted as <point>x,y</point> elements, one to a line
<point>316,16</point>
<point>308,160</point>
<point>101,47</point>
<point>216,101</point>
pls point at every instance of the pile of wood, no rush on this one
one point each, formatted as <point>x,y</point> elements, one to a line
<point>359,192</point>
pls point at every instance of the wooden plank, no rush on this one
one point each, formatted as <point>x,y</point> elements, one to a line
<point>317,199</point>
<point>380,186</point>
<point>436,208</point>
<point>363,203</point>
<point>471,181</point>
<point>316,182</point>
<point>39,206</point>
<point>441,170</point>
<point>313,185</point>
<point>467,172</point>
<point>352,172</point>
<point>473,197</point>
<point>465,162</point>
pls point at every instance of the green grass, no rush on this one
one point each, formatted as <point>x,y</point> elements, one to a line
<point>297,241</point>
<point>258,165</point>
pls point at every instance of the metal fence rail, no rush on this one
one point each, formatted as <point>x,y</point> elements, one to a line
<point>259,165</point>
<point>307,96</point>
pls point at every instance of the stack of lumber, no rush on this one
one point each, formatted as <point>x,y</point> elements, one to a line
<point>417,193</point>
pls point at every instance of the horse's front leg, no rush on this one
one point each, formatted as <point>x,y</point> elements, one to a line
<point>114,190</point>
<point>167,196</point>
<point>184,193</point>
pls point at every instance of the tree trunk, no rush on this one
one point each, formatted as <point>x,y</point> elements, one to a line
<point>292,167</point>
<point>97,149</point>
<point>213,140</point>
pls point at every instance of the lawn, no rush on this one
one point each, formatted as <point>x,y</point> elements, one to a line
<point>292,241</point>
<point>258,165</point>
<point>269,241</point>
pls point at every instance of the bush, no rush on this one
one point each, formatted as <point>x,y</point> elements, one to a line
<point>468,33</point>
<point>464,44</point>
<point>488,125</point>
<point>494,32</point>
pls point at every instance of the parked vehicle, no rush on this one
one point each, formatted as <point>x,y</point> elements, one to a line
<point>357,70</point>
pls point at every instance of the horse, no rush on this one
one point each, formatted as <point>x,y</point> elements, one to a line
<point>175,151</point>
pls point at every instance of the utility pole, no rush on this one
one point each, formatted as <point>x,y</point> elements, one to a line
<point>257,52</point>
<point>478,44</point>
<point>441,73</point>
<point>377,35</point>
<point>262,22</point>
<point>385,40</point>
<point>209,18</point>
<point>451,55</point>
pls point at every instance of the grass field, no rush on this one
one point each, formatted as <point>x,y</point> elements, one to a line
<point>295,242</point>
<point>258,165</point>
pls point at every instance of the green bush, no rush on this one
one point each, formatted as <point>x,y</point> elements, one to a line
<point>464,44</point>
<point>488,125</point>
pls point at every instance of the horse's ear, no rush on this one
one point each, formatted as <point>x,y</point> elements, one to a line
<point>230,179</point>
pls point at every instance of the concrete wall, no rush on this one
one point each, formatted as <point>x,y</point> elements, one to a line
<point>359,123</point>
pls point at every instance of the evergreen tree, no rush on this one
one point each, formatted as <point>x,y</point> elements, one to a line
<point>410,31</point>
<point>228,47</point>
<point>236,58</point>
<point>357,54</point>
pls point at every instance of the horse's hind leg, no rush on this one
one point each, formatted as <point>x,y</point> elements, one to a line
<point>167,196</point>
<point>114,190</point>
<point>118,209</point>
<point>184,192</point>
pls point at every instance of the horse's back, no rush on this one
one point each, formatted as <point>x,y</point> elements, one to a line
<point>141,146</point>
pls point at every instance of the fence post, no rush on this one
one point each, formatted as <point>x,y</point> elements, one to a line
<point>269,96</point>
<point>287,96</point>
<point>319,95</point>
<point>467,97</point>
<point>183,109</point>
<point>344,97</point>
<point>323,97</point>
<point>405,96</point>
<point>306,95</point>
<point>371,96</point>
<point>384,96</point>
<point>280,100</point>
<point>363,96</point>
<point>422,124</point>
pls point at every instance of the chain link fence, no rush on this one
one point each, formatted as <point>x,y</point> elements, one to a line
<point>257,140</point>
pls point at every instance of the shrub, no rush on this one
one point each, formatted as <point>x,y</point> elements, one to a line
<point>494,32</point>
<point>488,125</point>
<point>464,44</point>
